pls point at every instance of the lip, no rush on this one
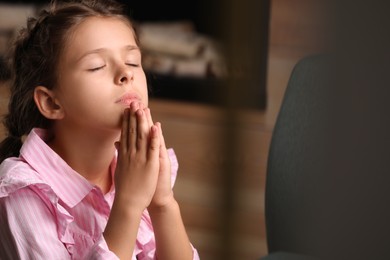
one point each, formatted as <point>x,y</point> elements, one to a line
<point>127,98</point>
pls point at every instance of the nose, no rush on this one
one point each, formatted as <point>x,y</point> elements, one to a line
<point>125,75</point>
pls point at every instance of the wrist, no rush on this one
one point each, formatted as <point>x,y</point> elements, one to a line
<point>122,227</point>
<point>127,207</point>
<point>168,206</point>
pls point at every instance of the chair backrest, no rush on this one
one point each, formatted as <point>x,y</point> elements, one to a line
<point>328,180</point>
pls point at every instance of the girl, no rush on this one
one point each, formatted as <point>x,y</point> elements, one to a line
<point>93,178</point>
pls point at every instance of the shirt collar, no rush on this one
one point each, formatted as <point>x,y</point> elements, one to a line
<point>69,186</point>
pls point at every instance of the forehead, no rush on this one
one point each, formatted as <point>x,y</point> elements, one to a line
<point>99,32</point>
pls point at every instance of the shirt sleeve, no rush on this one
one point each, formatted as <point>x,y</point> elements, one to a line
<point>149,252</point>
<point>100,251</point>
<point>29,230</point>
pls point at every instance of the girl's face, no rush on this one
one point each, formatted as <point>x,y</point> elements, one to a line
<point>100,73</point>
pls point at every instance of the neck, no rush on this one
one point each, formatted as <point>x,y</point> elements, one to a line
<point>88,154</point>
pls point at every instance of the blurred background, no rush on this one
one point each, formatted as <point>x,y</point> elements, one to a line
<point>217,72</point>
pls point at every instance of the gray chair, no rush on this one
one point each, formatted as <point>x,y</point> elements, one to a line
<point>328,178</point>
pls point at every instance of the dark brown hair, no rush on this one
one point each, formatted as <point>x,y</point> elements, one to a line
<point>34,62</point>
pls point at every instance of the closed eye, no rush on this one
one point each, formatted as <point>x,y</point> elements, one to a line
<point>132,64</point>
<point>97,68</point>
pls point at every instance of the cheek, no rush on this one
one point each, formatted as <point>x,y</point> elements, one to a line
<point>80,93</point>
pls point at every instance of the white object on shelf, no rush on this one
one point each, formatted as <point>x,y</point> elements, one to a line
<point>175,48</point>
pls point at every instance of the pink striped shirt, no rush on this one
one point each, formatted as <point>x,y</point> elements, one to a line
<point>49,211</point>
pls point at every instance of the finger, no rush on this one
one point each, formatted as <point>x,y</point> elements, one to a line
<point>143,130</point>
<point>154,147</point>
<point>149,116</point>
<point>125,129</point>
<point>132,131</point>
<point>162,141</point>
<point>163,149</point>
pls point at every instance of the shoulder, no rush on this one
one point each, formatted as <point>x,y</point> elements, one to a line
<point>16,174</point>
<point>22,188</point>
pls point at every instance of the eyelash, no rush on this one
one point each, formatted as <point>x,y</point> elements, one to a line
<point>101,67</point>
<point>132,64</point>
<point>96,69</point>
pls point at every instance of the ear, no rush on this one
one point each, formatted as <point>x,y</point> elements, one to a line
<point>47,103</point>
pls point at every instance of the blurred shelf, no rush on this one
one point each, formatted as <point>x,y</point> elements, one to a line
<point>197,90</point>
<point>210,91</point>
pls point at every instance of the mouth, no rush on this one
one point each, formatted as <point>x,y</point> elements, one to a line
<point>127,99</point>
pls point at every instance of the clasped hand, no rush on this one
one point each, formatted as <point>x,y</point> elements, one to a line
<point>142,176</point>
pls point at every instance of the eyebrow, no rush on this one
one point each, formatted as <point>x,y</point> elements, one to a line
<point>100,50</point>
